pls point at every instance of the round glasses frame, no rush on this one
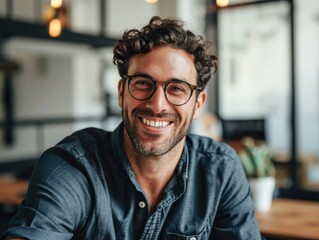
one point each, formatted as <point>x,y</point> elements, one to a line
<point>192,88</point>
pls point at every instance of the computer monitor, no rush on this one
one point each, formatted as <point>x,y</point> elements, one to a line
<point>236,129</point>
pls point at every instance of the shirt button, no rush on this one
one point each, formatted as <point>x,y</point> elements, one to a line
<point>141,204</point>
<point>192,238</point>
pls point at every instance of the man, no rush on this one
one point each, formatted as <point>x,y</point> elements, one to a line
<point>148,179</point>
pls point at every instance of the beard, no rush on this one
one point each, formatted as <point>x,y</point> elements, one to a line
<point>154,150</point>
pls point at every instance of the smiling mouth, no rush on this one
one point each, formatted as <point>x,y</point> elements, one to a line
<point>156,124</point>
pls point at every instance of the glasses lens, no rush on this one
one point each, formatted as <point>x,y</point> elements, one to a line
<point>141,87</point>
<point>178,92</point>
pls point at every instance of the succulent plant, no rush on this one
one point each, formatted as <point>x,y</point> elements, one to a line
<point>256,159</point>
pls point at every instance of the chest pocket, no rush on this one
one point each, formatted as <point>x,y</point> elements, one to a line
<point>173,236</point>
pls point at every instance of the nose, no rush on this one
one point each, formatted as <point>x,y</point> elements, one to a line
<point>158,102</point>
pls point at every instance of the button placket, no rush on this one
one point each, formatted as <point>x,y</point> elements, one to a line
<point>142,204</point>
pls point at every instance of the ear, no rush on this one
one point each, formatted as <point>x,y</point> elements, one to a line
<point>120,92</point>
<point>201,99</point>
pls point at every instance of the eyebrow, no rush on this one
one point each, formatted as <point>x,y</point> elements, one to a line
<point>142,74</point>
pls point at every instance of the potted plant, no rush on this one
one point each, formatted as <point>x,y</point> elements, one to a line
<point>260,171</point>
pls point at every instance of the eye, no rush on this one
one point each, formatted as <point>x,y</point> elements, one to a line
<point>177,88</point>
<point>142,83</point>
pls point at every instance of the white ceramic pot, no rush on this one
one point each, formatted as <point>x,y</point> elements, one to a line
<point>262,190</point>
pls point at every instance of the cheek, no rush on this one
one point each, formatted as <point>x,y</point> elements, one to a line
<point>129,104</point>
<point>186,113</point>
<point>125,100</point>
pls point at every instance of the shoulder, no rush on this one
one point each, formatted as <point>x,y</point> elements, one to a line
<point>87,138</point>
<point>204,145</point>
<point>81,153</point>
<point>209,156</point>
<point>83,144</point>
<point>72,162</point>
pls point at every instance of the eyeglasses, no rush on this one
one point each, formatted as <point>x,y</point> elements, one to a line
<point>177,92</point>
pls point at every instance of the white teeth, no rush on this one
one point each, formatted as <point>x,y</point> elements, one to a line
<point>157,124</point>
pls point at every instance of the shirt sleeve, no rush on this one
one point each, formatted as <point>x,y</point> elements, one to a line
<point>56,204</point>
<point>236,217</point>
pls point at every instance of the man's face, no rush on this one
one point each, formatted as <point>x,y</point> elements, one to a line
<point>155,126</point>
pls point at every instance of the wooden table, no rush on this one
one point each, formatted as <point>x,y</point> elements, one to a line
<point>290,219</point>
<point>12,191</point>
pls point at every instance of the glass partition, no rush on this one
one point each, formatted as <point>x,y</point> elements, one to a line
<point>254,73</point>
<point>307,90</point>
<point>254,80</point>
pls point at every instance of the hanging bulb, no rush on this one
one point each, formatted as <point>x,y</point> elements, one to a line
<point>56,3</point>
<point>55,27</point>
<point>151,1</point>
<point>222,3</point>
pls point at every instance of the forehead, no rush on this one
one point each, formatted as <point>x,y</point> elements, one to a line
<point>164,63</point>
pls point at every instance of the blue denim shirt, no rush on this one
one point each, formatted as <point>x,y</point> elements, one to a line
<point>84,188</point>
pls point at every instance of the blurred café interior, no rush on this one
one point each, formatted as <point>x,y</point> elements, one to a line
<point>57,76</point>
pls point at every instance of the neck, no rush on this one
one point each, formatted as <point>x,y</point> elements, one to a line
<point>153,172</point>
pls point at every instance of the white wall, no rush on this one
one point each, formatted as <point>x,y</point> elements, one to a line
<point>41,89</point>
<point>126,14</point>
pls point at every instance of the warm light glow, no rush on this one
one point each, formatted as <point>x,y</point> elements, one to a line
<point>151,1</point>
<point>222,3</point>
<point>56,3</point>
<point>55,27</point>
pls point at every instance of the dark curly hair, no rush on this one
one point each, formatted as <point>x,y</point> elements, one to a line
<point>166,32</point>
